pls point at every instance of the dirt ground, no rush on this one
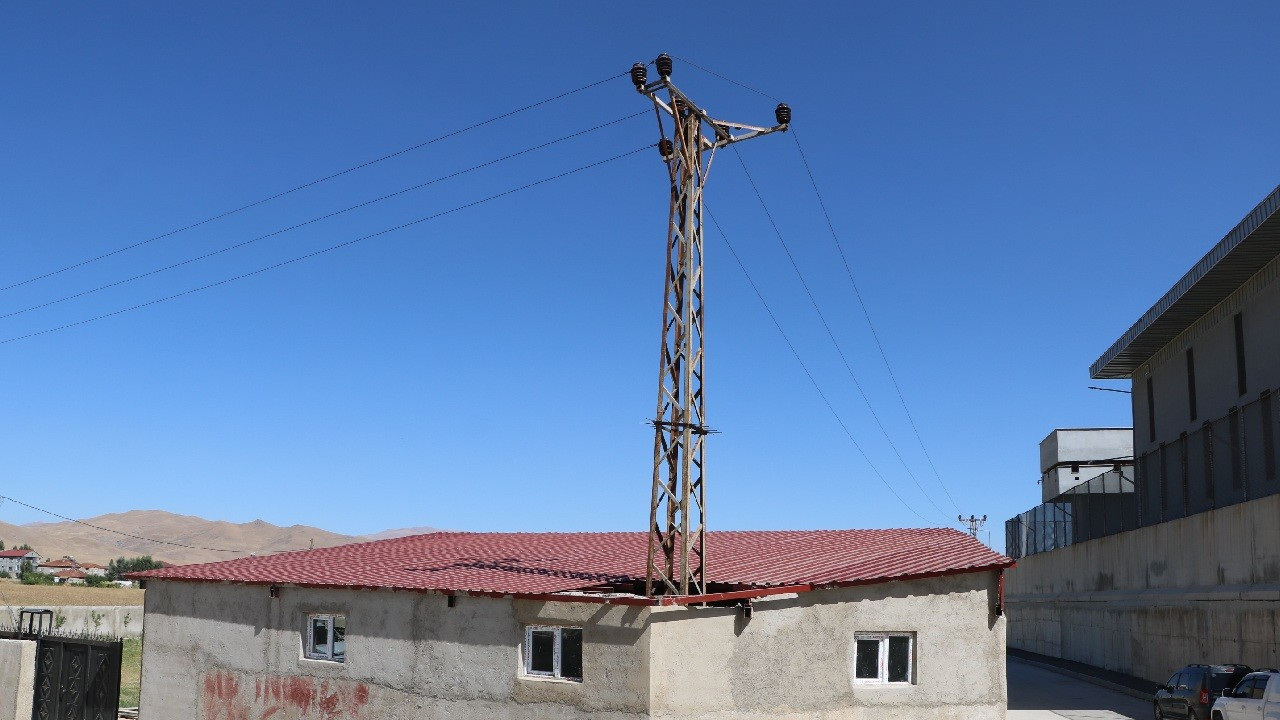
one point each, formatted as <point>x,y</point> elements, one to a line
<point>18,595</point>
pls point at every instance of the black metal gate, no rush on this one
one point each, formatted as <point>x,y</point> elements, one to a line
<point>77,676</point>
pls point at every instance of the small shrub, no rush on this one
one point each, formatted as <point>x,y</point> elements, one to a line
<point>96,618</point>
<point>59,620</point>
<point>35,578</point>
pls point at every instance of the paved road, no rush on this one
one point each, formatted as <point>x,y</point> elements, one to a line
<point>1039,694</point>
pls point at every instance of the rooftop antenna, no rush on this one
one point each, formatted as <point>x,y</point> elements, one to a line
<point>677,527</point>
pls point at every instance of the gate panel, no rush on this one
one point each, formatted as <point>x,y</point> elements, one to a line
<point>48,677</point>
<point>77,678</point>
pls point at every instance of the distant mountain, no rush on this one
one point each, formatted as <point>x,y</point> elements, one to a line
<point>402,532</point>
<point>87,544</point>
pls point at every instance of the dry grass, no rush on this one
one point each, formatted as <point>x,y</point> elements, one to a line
<point>131,672</point>
<point>18,595</point>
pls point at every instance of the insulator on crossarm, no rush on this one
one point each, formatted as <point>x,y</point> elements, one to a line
<point>666,148</point>
<point>664,65</point>
<point>639,75</point>
<point>783,114</point>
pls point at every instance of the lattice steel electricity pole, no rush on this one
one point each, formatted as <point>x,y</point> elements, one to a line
<point>677,511</point>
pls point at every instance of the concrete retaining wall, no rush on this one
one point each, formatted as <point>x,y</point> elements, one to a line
<point>1146,602</point>
<point>231,651</point>
<point>17,678</point>
<point>122,620</point>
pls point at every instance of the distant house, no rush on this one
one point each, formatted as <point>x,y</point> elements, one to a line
<point>94,569</point>
<point>69,577</point>
<point>897,624</point>
<point>52,567</point>
<point>11,560</point>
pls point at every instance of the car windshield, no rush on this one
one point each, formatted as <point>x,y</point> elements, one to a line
<point>1219,681</point>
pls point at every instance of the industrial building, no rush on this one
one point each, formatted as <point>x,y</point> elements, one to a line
<point>796,624</point>
<point>1179,562</point>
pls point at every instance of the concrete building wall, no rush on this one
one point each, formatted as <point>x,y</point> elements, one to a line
<point>17,678</point>
<point>1205,588</point>
<point>1212,339</point>
<point>230,651</point>
<point>1066,445</point>
<point>794,658</point>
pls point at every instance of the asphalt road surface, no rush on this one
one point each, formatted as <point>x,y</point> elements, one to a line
<point>1039,694</point>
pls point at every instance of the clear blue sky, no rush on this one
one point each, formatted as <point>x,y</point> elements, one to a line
<point>1014,182</point>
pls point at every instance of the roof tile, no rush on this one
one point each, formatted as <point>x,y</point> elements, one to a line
<point>543,563</point>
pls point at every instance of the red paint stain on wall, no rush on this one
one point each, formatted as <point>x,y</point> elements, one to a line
<point>291,696</point>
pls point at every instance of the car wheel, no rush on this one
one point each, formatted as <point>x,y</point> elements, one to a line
<point>1159,715</point>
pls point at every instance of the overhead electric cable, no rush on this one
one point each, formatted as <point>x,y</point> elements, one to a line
<point>803,366</point>
<point>321,217</point>
<point>313,183</point>
<point>831,334</point>
<point>328,249</point>
<point>131,535</point>
<point>857,293</point>
<point>709,71</point>
<point>870,325</point>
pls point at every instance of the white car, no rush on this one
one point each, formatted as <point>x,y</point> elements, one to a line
<point>1255,697</point>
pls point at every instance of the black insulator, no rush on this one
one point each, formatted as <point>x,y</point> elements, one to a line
<point>664,65</point>
<point>639,75</point>
<point>666,148</point>
<point>782,113</point>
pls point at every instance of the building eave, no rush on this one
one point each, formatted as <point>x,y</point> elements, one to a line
<point>1250,245</point>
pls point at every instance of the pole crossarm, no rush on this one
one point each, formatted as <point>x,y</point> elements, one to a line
<point>677,508</point>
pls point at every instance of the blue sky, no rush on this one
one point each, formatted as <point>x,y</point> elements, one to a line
<point>1014,184</point>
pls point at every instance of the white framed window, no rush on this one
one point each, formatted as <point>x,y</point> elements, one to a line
<point>551,651</point>
<point>325,637</point>
<point>884,658</point>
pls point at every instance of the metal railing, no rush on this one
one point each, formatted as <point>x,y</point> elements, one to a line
<point>1226,461</point>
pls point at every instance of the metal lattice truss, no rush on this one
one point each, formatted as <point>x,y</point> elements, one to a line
<point>677,513</point>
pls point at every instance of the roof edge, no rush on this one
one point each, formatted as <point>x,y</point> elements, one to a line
<point>1269,206</point>
<point>569,596</point>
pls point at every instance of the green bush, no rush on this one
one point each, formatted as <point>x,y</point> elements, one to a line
<point>35,578</point>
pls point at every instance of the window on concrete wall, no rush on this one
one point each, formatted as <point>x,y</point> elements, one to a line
<point>1268,436</point>
<point>326,637</point>
<point>1241,381</point>
<point>884,658</point>
<point>553,652</point>
<point>1191,383</point>
<point>1151,411</point>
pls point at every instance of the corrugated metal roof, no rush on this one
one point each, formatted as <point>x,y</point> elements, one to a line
<point>545,563</point>
<point>1253,243</point>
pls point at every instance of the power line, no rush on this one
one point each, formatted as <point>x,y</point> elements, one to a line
<point>803,366</point>
<point>831,334</point>
<point>312,183</point>
<point>321,217</point>
<point>744,86</point>
<point>328,249</point>
<point>870,325</point>
<point>848,271</point>
<point>128,535</point>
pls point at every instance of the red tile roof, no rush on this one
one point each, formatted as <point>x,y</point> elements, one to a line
<point>525,564</point>
<point>16,553</point>
<point>69,574</point>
